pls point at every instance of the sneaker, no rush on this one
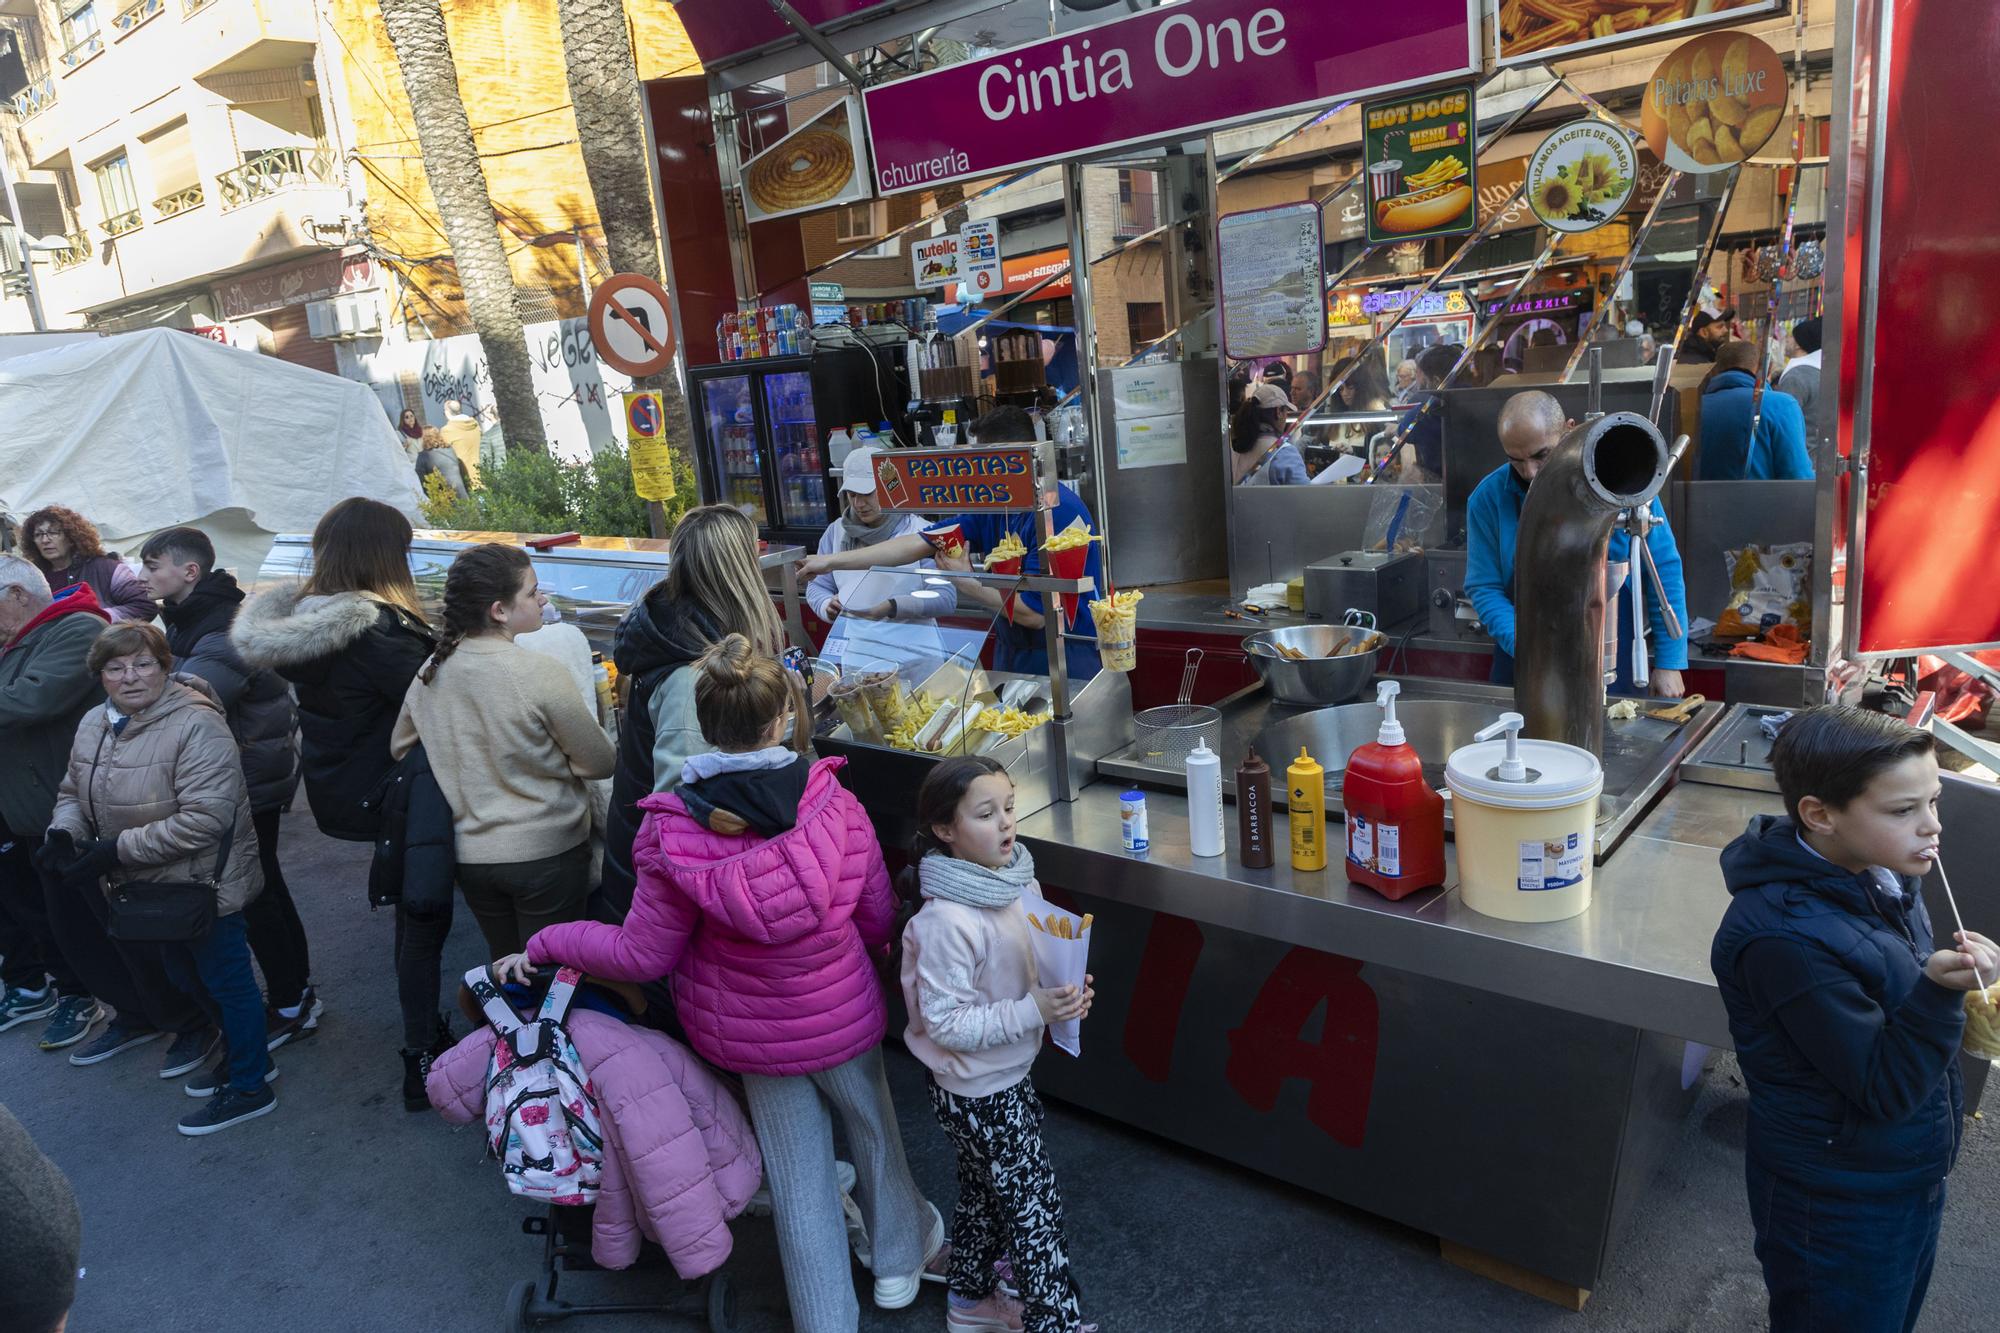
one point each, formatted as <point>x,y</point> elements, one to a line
<point>190,1050</point>
<point>214,1080</point>
<point>998,1313</point>
<point>897,1291</point>
<point>18,1006</point>
<point>117,1036</point>
<point>74,1017</point>
<point>226,1108</point>
<point>278,1029</point>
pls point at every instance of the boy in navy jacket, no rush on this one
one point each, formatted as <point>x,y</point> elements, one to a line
<point>1847,1022</point>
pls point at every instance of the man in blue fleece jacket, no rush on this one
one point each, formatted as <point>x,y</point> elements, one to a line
<point>1847,1021</point>
<point>1531,426</point>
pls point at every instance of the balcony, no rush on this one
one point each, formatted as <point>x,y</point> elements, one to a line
<point>79,250</point>
<point>134,13</point>
<point>1138,205</point>
<point>233,35</point>
<point>114,227</point>
<point>36,97</point>
<point>179,202</point>
<point>270,172</point>
<point>84,48</point>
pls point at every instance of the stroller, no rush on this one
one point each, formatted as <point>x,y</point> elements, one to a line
<point>565,1230</point>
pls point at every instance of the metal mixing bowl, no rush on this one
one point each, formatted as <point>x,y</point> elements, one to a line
<point>1321,678</point>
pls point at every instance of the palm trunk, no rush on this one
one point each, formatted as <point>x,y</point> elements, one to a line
<point>611,131</point>
<point>458,185</point>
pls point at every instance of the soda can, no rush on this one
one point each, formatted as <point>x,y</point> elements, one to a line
<point>1132,820</point>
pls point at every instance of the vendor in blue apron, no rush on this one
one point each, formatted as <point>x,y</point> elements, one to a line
<point>1532,424</point>
<point>1020,644</point>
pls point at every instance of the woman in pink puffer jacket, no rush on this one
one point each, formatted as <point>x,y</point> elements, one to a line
<point>762,892</point>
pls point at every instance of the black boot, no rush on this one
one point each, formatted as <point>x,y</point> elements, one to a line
<point>416,1068</point>
<point>444,1040</point>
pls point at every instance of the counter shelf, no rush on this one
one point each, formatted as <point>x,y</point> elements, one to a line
<point>1640,758</point>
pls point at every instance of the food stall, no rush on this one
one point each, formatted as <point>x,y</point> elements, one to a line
<point>1508,1086</point>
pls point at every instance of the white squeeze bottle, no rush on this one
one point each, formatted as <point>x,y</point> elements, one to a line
<point>1204,785</point>
<point>839,446</point>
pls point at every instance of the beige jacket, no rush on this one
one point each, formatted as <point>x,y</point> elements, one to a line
<point>165,786</point>
<point>511,745</point>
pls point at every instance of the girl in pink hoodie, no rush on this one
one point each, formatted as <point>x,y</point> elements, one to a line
<point>977,1010</point>
<point>762,892</point>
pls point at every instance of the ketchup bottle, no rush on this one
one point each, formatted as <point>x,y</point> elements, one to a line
<point>1395,820</point>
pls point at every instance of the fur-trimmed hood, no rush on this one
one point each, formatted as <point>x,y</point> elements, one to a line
<point>278,628</point>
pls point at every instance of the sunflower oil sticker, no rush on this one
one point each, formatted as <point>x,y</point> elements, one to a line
<point>1556,863</point>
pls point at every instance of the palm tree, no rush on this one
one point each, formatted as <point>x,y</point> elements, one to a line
<point>458,184</point>
<point>611,131</point>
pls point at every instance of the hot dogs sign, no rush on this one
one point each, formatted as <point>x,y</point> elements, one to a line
<point>1419,155</point>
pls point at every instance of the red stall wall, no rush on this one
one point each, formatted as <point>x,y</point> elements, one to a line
<point>1932,505</point>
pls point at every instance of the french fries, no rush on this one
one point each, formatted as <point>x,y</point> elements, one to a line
<point>1437,173</point>
<point>1536,25</point>
<point>1009,547</point>
<point>1075,535</point>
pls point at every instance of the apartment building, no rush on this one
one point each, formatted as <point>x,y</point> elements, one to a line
<point>181,163</point>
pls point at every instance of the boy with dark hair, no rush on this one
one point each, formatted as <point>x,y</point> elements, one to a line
<point>198,604</point>
<point>1847,1022</point>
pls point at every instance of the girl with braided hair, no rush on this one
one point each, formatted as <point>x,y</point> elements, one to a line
<point>511,745</point>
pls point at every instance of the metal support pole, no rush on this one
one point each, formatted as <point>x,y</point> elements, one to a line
<point>812,37</point>
<point>1085,320</point>
<point>723,119</point>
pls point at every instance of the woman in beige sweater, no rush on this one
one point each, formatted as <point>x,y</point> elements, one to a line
<point>512,745</point>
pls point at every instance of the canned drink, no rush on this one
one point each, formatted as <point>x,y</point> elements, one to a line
<point>1132,820</point>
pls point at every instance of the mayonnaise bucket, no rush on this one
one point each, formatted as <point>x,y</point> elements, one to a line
<point>1525,848</point>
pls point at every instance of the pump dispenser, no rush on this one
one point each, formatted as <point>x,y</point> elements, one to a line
<point>1395,820</point>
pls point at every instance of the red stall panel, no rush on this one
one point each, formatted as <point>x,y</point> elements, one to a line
<point>1922,178</point>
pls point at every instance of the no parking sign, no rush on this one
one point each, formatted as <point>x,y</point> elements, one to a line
<point>646,446</point>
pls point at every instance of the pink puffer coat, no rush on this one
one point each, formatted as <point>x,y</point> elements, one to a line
<point>769,942</point>
<point>680,1159</point>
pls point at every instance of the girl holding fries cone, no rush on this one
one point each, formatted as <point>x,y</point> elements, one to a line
<point>977,1013</point>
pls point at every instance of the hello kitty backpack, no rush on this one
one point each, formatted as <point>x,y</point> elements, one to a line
<point>541,1112</point>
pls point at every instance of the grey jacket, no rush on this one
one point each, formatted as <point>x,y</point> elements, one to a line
<point>45,689</point>
<point>1802,383</point>
<point>165,786</point>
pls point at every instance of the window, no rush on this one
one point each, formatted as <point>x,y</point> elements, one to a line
<point>115,194</point>
<point>176,179</point>
<point>856,223</point>
<point>1138,203</point>
<point>1146,321</point>
<point>81,39</point>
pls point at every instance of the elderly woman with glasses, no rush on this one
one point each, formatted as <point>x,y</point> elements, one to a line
<point>155,795</point>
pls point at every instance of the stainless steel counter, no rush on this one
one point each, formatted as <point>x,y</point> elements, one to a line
<point>1638,957</point>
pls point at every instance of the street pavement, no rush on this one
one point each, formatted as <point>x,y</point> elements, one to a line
<point>342,1212</point>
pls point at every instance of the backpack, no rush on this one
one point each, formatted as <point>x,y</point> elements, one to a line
<point>541,1111</point>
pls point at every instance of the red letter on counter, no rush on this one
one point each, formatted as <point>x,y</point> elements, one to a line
<point>1173,947</point>
<point>1267,1050</point>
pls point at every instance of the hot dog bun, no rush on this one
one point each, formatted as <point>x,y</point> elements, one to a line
<point>1424,209</point>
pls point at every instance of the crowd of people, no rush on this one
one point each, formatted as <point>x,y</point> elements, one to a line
<point>742,888</point>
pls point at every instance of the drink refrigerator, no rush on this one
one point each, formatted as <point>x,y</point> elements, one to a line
<point>763,425</point>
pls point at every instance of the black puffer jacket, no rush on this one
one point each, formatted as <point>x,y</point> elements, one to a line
<point>257,702</point>
<point>351,658</point>
<point>656,638</point>
<point>416,846</point>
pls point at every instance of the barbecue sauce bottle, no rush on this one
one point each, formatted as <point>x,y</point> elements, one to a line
<point>1253,811</point>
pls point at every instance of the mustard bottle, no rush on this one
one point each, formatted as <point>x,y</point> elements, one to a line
<point>1305,800</point>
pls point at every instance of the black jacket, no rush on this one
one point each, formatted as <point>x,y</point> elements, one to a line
<point>416,856</point>
<point>351,658</point>
<point>257,702</point>
<point>1849,1051</point>
<point>656,638</point>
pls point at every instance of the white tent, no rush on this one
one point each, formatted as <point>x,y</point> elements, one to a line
<point>142,431</point>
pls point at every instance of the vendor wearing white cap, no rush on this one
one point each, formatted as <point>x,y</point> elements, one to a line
<point>862,524</point>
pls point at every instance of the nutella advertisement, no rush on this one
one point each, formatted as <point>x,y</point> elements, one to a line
<point>1150,76</point>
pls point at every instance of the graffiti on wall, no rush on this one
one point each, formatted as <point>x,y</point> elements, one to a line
<point>576,392</point>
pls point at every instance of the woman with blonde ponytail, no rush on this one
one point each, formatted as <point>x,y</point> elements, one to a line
<point>713,588</point>
<point>511,745</point>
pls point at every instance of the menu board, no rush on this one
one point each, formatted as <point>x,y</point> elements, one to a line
<point>1419,156</point>
<point>1531,31</point>
<point>1273,281</point>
